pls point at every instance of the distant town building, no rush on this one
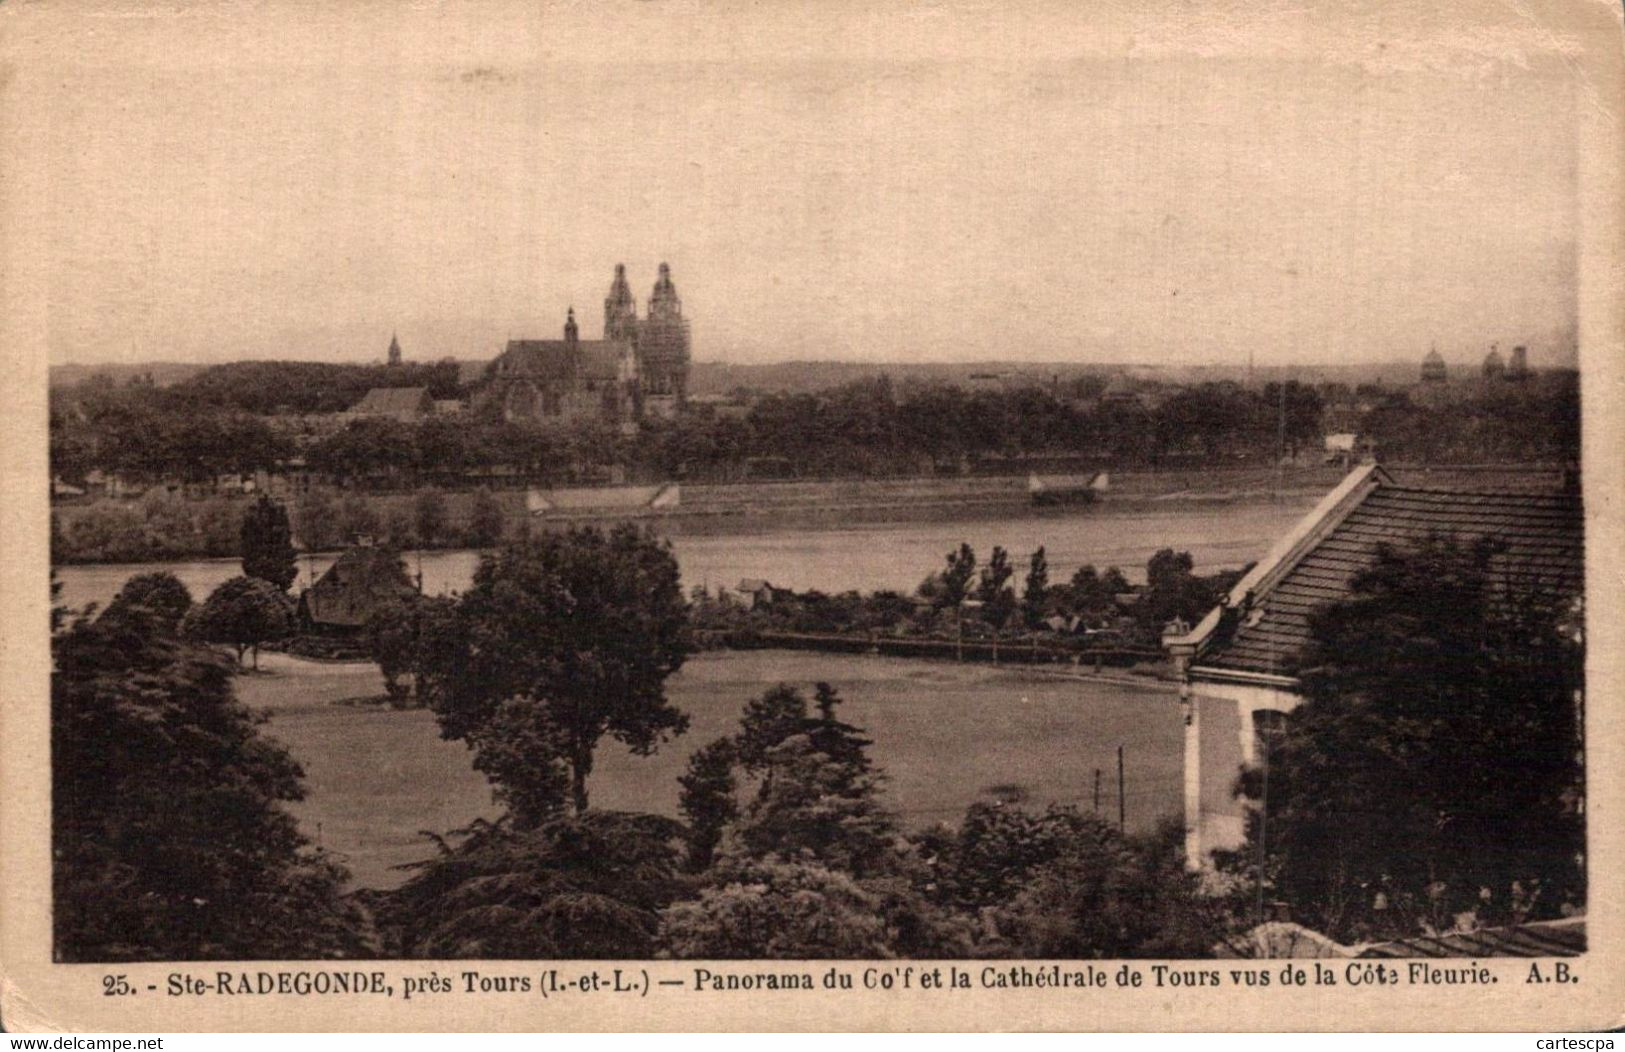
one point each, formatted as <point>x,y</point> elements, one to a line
<point>406,404</point>
<point>1340,447</point>
<point>640,366</point>
<point>755,592</point>
<point>394,350</point>
<point>1518,368</point>
<point>1433,368</point>
<point>1494,367</point>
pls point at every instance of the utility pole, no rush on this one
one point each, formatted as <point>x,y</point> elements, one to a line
<point>1263,823</point>
<point>1280,437</point>
<point>1122,804</point>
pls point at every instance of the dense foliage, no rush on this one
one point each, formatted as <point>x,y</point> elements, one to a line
<point>266,387</point>
<point>267,540</point>
<point>586,885</point>
<point>1435,768</point>
<point>253,415</point>
<point>170,836</point>
<point>1092,610</point>
<point>243,612</point>
<point>561,640</point>
<point>811,864</point>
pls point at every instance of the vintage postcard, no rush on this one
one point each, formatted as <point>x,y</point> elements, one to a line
<point>856,515</point>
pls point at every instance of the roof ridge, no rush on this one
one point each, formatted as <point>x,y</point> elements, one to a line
<point>1555,494</point>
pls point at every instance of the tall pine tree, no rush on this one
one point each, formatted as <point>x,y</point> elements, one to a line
<point>268,551</point>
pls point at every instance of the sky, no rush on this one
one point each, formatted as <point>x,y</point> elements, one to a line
<point>955,181</point>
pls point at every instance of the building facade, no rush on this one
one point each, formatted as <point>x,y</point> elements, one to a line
<point>639,367</point>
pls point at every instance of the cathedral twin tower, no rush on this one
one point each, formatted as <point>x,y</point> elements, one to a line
<point>660,340</point>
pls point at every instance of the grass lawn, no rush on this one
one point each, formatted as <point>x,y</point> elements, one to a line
<point>946,735</point>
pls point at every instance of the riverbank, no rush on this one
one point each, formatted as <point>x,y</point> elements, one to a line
<point>845,557</point>
<point>158,526</point>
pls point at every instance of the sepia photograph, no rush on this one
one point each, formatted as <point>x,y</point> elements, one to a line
<point>1017,488</point>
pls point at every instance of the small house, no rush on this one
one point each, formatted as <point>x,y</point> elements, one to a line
<point>1340,448</point>
<point>755,592</point>
<point>360,583</point>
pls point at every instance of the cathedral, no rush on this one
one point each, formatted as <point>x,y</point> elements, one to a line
<point>639,367</point>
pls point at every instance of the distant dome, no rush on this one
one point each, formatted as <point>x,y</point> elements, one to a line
<point>1493,365</point>
<point>1433,367</point>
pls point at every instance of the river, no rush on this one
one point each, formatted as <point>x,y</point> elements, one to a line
<point>865,558</point>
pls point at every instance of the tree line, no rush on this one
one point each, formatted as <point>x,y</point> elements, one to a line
<point>972,602</point>
<point>163,525</point>
<point>216,422</point>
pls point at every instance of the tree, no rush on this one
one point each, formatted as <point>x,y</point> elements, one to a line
<point>267,543</point>
<point>1104,895</point>
<point>1433,769</point>
<point>561,640</point>
<point>243,612</point>
<point>957,577</point>
<point>170,835</point>
<point>355,519</point>
<point>998,848</point>
<point>394,640</point>
<point>993,588</point>
<point>1092,595</point>
<point>399,527</point>
<point>429,510</point>
<point>707,799</point>
<point>815,805</point>
<point>779,909</point>
<point>1291,413</point>
<point>1173,591</point>
<point>318,526</point>
<point>485,520</point>
<point>813,865</point>
<point>1035,593</point>
<point>995,575</point>
<point>1167,569</point>
<point>587,886</point>
<point>157,598</point>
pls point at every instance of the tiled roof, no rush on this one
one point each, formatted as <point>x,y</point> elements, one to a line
<point>358,584</point>
<point>394,400</point>
<point>1278,939</point>
<point>599,359</point>
<point>1541,534</point>
<point>1566,938</point>
<point>471,372</point>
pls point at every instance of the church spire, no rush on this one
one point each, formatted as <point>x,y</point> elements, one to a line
<point>394,350</point>
<point>620,309</point>
<point>571,334</point>
<point>664,300</point>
